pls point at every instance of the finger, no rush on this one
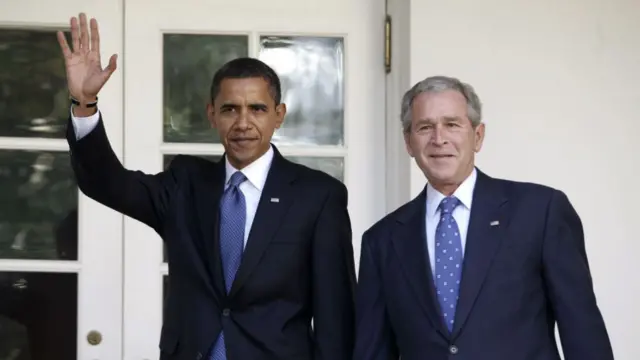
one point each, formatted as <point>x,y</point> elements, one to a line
<point>95,35</point>
<point>111,67</point>
<point>75,34</point>
<point>84,32</point>
<point>62,40</point>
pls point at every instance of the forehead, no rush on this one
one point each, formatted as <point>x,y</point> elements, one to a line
<point>439,105</point>
<point>243,90</point>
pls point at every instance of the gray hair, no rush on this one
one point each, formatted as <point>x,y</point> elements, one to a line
<point>439,84</point>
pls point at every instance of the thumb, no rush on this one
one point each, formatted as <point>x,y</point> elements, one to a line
<point>111,67</point>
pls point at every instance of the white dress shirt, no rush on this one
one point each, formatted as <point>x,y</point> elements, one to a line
<point>464,193</point>
<point>256,172</point>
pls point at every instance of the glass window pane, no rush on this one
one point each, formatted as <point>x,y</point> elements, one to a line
<point>38,316</point>
<point>333,166</point>
<point>38,206</point>
<point>34,101</point>
<point>189,64</point>
<point>311,70</point>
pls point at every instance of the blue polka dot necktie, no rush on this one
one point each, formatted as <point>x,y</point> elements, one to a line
<point>232,221</point>
<point>448,255</point>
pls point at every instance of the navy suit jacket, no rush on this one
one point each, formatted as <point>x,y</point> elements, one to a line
<point>520,277</point>
<point>297,265</point>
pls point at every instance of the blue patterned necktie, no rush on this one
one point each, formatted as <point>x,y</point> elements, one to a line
<point>232,222</point>
<point>448,256</point>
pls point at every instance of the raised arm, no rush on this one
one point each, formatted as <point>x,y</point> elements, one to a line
<point>99,172</point>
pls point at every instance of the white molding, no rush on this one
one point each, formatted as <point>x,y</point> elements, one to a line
<point>397,82</point>
<point>33,144</point>
<point>45,266</point>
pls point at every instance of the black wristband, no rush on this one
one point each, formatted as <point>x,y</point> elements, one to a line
<point>75,102</point>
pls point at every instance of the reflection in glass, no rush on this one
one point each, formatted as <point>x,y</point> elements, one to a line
<point>333,166</point>
<point>38,206</point>
<point>311,70</point>
<point>34,101</point>
<point>38,316</point>
<point>189,64</point>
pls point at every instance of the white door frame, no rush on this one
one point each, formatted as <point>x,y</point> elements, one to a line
<point>99,266</point>
<point>397,83</point>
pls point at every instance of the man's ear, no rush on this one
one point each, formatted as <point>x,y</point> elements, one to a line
<point>281,111</point>
<point>479,137</point>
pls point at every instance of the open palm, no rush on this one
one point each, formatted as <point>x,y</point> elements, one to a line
<point>85,75</point>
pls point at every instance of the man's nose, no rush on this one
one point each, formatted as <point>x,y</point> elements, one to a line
<point>438,136</point>
<point>242,121</point>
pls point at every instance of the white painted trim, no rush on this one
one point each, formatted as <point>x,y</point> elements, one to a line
<point>48,266</point>
<point>33,144</point>
<point>397,82</point>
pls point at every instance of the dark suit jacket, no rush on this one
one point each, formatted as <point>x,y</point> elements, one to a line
<point>298,262</point>
<point>519,278</point>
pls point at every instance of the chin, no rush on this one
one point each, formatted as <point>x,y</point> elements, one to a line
<point>442,176</point>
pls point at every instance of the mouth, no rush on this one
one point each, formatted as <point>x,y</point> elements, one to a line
<point>441,156</point>
<point>243,141</point>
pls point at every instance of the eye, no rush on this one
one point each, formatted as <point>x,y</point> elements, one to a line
<point>258,108</point>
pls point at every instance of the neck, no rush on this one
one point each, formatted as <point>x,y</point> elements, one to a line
<point>445,189</point>
<point>241,164</point>
<point>448,188</point>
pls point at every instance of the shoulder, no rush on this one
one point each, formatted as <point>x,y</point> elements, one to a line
<point>187,166</point>
<point>381,231</point>
<point>188,161</point>
<point>533,196</point>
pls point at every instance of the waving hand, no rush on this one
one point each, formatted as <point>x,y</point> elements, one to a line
<point>85,75</point>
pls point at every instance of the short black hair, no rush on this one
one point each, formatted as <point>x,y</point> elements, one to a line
<point>246,67</point>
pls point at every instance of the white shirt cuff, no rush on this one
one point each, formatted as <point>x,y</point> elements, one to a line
<point>82,126</point>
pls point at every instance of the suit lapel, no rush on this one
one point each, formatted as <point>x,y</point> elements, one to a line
<point>274,203</point>
<point>487,229</point>
<point>410,243</point>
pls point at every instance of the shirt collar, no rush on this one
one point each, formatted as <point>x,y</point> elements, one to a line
<point>256,172</point>
<point>464,193</point>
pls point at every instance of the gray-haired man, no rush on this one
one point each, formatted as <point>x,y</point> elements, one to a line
<point>474,267</point>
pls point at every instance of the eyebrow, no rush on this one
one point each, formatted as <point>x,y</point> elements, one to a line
<point>255,105</point>
<point>445,118</point>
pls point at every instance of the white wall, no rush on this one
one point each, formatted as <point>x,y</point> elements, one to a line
<point>560,85</point>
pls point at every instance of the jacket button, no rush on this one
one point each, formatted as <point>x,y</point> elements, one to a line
<point>199,356</point>
<point>453,349</point>
<point>226,312</point>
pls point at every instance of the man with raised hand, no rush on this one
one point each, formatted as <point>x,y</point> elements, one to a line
<point>258,246</point>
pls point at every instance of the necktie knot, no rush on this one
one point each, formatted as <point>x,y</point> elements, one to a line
<point>448,204</point>
<point>236,179</point>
